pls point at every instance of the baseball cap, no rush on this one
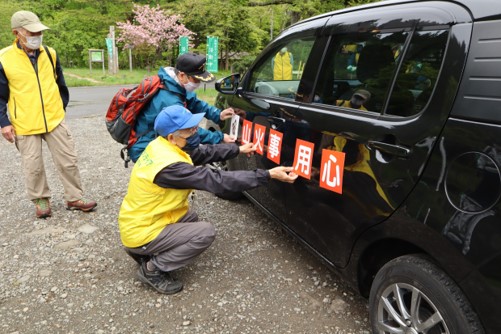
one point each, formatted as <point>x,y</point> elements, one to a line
<point>174,118</point>
<point>194,65</point>
<point>27,20</point>
<point>363,94</point>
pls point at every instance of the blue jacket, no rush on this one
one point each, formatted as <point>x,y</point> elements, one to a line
<point>171,95</point>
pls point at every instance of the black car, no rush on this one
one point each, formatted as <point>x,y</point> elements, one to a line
<point>391,114</point>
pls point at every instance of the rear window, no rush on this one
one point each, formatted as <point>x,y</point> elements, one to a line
<point>360,69</point>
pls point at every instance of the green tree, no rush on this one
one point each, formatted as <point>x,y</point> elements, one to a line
<point>244,27</point>
<point>228,20</point>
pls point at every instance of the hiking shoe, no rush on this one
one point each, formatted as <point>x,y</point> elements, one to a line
<point>42,206</point>
<point>161,281</point>
<point>82,205</point>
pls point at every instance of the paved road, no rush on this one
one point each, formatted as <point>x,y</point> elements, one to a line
<point>94,101</point>
<point>90,101</point>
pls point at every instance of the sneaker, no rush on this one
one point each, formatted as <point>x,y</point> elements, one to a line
<point>42,206</point>
<point>161,281</point>
<point>82,205</point>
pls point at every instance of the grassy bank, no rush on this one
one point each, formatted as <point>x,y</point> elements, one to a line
<point>77,77</point>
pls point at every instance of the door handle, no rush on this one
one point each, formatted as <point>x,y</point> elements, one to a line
<point>275,121</point>
<point>393,149</point>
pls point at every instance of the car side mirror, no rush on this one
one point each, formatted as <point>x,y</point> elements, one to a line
<point>229,84</point>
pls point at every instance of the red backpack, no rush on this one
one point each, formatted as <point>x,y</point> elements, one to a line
<point>126,104</point>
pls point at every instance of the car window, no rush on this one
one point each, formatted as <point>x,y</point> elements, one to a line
<point>360,68</point>
<point>280,70</point>
<point>419,71</point>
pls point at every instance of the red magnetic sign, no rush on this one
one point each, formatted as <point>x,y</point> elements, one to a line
<point>303,157</point>
<point>259,132</point>
<point>246,131</point>
<point>331,170</point>
<point>274,146</point>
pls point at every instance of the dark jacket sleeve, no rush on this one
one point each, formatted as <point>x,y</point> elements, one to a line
<point>205,154</point>
<point>61,83</point>
<point>185,176</point>
<point>4,98</point>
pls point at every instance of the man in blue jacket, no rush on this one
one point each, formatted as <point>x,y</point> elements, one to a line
<point>180,83</point>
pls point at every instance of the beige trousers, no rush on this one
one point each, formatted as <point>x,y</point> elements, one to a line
<point>62,149</point>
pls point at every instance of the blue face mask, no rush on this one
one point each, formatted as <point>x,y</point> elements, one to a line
<point>193,141</point>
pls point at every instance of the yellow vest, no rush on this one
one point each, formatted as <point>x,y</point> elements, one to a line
<point>35,105</point>
<point>282,67</point>
<point>148,208</point>
<point>346,103</point>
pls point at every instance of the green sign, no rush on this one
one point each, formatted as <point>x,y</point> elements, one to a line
<point>183,45</point>
<point>212,54</point>
<point>96,56</point>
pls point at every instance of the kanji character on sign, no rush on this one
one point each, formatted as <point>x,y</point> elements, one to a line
<point>246,131</point>
<point>259,132</point>
<point>274,146</point>
<point>331,170</point>
<point>303,158</point>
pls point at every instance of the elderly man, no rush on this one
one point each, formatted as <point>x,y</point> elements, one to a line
<point>155,220</point>
<point>180,82</point>
<point>32,86</point>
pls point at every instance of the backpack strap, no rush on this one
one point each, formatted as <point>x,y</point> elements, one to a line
<point>51,60</point>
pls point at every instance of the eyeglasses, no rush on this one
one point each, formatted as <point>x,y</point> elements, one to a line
<point>191,131</point>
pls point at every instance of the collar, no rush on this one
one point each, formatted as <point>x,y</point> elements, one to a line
<point>36,52</point>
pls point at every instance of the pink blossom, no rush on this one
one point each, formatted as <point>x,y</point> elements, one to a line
<point>152,27</point>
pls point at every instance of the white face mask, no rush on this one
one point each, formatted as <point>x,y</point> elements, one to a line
<point>191,86</point>
<point>33,42</point>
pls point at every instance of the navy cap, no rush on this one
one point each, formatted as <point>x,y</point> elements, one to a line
<point>174,118</point>
<point>194,65</point>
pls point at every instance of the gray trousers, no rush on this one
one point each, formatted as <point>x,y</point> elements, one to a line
<point>179,243</point>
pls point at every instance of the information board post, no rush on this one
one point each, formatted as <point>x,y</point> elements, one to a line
<point>112,52</point>
<point>96,56</point>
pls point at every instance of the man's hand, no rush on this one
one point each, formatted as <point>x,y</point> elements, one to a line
<point>226,113</point>
<point>228,139</point>
<point>248,148</point>
<point>8,133</point>
<point>284,174</point>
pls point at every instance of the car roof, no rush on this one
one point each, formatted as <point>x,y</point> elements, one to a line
<point>479,9</point>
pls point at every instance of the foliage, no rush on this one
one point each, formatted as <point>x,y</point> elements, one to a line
<point>151,32</point>
<point>244,27</point>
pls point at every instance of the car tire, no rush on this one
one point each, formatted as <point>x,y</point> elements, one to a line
<point>413,280</point>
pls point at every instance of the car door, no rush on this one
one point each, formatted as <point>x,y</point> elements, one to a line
<point>267,92</point>
<point>381,98</point>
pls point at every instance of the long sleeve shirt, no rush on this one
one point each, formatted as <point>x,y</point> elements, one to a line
<point>185,176</point>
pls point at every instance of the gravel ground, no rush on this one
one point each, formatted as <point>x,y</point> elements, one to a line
<point>69,274</point>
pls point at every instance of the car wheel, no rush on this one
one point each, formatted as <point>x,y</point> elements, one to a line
<point>411,295</point>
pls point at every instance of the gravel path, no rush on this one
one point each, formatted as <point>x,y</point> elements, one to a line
<point>69,274</point>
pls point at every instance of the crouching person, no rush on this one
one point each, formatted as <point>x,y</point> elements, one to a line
<point>155,220</point>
